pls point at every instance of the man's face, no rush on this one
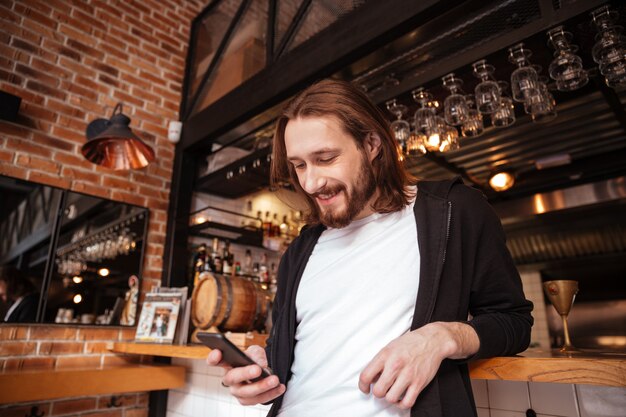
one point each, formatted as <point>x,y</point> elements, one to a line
<point>331,169</point>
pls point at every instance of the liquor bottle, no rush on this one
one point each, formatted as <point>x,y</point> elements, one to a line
<point>275,226</point>
<point>263,270</point>
<point>247,263</point>
<point>198,262</point>
<point>284,228</point>
<point>215,256</point>
<point>227,259</point>
<point>267,225</point>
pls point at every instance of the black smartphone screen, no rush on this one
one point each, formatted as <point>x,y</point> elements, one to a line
<point>231,354</point>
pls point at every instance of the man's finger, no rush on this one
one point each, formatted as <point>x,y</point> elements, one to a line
<point>370,374</point>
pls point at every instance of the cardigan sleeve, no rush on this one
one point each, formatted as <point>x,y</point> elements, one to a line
<point>500,313</point>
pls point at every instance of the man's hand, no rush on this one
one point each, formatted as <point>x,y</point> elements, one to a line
<point>237,379</point>
<point>401,370</point>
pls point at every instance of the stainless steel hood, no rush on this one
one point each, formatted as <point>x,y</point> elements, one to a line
<point>567,224</point>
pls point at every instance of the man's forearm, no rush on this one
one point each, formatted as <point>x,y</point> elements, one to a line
<point>459,340</point>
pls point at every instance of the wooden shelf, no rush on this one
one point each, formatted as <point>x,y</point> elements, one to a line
<point>533,366</point>
<point>38,385</point>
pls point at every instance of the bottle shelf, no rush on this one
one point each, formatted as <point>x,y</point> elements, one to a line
<point>239,178</point>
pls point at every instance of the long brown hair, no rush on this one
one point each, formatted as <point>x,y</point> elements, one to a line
<point>359,117</point>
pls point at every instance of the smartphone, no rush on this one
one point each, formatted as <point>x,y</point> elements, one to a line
<point>231,354</point>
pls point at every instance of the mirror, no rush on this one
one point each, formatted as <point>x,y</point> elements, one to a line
<point>74,257</point>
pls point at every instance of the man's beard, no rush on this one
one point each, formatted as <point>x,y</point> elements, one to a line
<point>361,193</point>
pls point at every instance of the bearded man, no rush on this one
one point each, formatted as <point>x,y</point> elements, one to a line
<point>393,287</point>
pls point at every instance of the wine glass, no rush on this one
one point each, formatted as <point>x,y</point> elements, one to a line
<point>455,107</point>
<point>566,68</point>
<point>609,51</point>
<point>561,294</point>
<point>524,80</point>
<point>487,92</point>
<point>400,128</point>
<point>505,113</point>
<point>425,119</point>
<point>473,125</point>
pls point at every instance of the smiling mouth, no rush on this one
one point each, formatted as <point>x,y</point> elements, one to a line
<point>326,198</point>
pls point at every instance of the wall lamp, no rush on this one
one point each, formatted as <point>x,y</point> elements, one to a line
<point>112,144</point>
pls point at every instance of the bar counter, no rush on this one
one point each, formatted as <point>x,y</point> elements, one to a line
<point>531,366</point>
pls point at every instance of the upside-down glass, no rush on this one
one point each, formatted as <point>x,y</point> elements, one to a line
<point>566,68</point>
<point>505,113</point>
<point>455,107</point>
<point>415,144</point>
<point>542,107</point>
<point>400,128</point>
<point>524,80</point>
<point>426,116</point>
<point>473,125</point>
<point>609,51</point>
<point>487,92</point>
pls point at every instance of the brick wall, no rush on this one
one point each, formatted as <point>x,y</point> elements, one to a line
<point>71,62</point>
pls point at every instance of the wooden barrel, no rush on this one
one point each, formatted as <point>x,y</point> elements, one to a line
<point>229,303</point>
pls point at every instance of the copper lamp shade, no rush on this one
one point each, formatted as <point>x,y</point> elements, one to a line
<point>116,147</point>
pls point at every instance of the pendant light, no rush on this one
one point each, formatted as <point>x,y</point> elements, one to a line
<point>112,144</point>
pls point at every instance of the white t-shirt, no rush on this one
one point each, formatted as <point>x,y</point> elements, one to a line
<point>356,295</point>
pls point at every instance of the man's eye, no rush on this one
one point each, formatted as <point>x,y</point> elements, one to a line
<point>327,160</point>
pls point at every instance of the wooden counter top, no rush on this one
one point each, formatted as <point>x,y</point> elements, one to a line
<point>535,366</point>
<point>47,384</point>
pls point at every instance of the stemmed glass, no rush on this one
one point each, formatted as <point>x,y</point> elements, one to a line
<point>524,80</point>
<point>415,144</point>
<point>542,107</point>
<point>505,113</point>
<point>561,294</point>
<point>609,51</point>
<point>487,92</point>
<point>566,68</point>
<point>473,125</point>
<point>455,107</point>
<point>400,128</point>
<point>426,116</point>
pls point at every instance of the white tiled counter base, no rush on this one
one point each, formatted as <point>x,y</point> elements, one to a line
<point>204,396</point>
<point>513,398</point>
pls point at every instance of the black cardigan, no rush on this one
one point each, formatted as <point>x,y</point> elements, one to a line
<point>465,267</point>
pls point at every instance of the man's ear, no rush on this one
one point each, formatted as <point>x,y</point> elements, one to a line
<point>373,143</point>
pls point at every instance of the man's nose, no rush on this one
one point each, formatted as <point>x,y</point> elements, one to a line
<point>313,181</point>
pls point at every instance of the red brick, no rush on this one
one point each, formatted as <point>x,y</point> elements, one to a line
<point>122,401</point>
<point>53,333</point>
<point>60,6</point>
<point>119,184</point>
<point>85,49</point>
<point>148,180</point>
<point>6,156</point>
<point>91,189</point>
<point>25,410</point>
<point>96,347</point>
<point>37,113</point>
<point>142,399</point>
<point>57,71</point>
<point>113,413</point>
<point>128,198</point>
<point>57,48</point>
<point>73,406</point>
<point>39,30</point>
<point>16,364</point>
<point>75,160</point>
<point>128,98</point>
<point>13,171</point>
<point>136,412</point>
<point>52,180</point>
<point>54,143</point>
<point>97,334</point>
<point>74,173</point>
<point>123,35</point>
<point>108,80</point>
<point>36,11</point>
<point>44,89</point>
<point>17,348</point>
<point>71,135</point>
<point>79,35</point>
<point>25,46</point>
<point>65,109</point>
<point>73,362</point>
<point>60,348</point>
<point>28,71</point>
<point>11,77</point>
<point>92,85</point>
<point>88,19</point>
<point>34,162</point>
<point>28,147</point>
<point>155,204</point>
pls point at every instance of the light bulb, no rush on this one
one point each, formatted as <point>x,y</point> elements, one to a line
<point>501,181</point>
